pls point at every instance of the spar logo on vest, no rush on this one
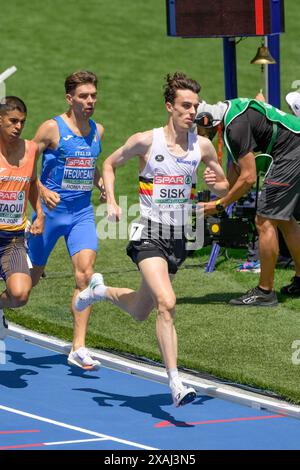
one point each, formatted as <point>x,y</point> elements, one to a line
<point>171,192</point>
<point>12,204</point>
<point>79,172</point>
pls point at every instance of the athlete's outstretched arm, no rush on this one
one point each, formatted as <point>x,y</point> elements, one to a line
<point>98,182</point>
<point>214,175</point>
<point>36,203</point>
<point>136,146</point>
<point>242,185</point>
<point>245,180</point>
<point>47,136</point>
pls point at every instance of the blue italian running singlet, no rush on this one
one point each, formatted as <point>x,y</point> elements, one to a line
<point>68,170</point>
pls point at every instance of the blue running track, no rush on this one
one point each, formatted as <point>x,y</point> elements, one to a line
<point>46,404</point>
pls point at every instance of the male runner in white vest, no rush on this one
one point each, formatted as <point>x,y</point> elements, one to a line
<point>168,158</point>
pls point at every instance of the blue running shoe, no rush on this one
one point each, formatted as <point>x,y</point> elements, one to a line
<point>249,267</point>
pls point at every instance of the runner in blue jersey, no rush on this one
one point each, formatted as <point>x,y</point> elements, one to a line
<point>70,144</point>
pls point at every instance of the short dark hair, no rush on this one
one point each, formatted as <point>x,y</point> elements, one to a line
<point>80,78</point>
<point>10,103</point>
<point>178,81</point>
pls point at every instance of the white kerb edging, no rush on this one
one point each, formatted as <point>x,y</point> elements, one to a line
<point>207,387</point>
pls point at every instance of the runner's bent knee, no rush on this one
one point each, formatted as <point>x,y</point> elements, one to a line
<point>83,278</point>
<point>84,274</point>
<point>19,297</point>
<point>166,303</point>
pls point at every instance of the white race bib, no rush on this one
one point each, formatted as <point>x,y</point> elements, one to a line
<point>78,174</point>
<point>171,192</point>
<point>136,232</point>
<point>12,207</point>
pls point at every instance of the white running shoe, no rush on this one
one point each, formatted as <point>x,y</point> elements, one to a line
<point>182,395</point>
<point>82,358</point>
<point>87,296</point>
<point>3,325</point>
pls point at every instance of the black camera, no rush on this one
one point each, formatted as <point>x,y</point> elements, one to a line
<point>245,208</point>
<point>235,229</point>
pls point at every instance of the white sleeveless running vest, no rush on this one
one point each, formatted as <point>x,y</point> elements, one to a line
<point>167,183</point>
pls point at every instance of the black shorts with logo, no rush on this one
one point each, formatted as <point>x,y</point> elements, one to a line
<point>280,194</point>
<point>168,244</point>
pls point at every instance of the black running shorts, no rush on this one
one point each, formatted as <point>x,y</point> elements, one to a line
<point>280,194</point>
<point>171,248</point>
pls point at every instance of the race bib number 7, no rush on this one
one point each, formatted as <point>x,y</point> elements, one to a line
<point>136,232</point>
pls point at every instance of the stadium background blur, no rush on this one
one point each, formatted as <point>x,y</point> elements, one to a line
<point>126,45</point>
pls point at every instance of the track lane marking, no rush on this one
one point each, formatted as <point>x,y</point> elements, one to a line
<point>164,424</point>
<point>76,428</point>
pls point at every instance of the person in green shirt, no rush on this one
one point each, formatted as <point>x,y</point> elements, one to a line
<point>251,126</point>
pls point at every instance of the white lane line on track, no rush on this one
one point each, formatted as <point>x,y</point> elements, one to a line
<point>76,428</point>
<point>59,443</point>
